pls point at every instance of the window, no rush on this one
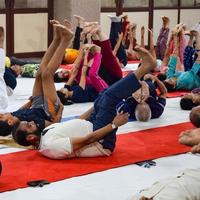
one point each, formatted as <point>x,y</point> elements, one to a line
<point>136,3</point>
<point>190,3</point>
<point>165,3</point>
<point>108,4</point>
<point>2,4</point>
<point>31,4</point>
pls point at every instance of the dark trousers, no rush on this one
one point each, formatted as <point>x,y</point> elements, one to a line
<point>110,70</point>
<point>76,42</point>
<point>105,106</point>
<point>116,28</point>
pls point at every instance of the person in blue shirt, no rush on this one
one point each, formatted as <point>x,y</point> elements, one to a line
<point>145,103</point>
<point>44,106</point>
<point>190,55</point>
<point>187,80</point>
<point>98,125</point>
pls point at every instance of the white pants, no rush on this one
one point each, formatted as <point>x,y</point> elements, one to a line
<point>185,186</point>
<point>3,88</point>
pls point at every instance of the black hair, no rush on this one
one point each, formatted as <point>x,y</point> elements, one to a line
<point>187,104</point>
<point>195,118</point>
<point>57,79</point>
<point>20,136</point>
<point>162,76</point>
<point>5,128</point>
<point>63,99</point>
<point>170,87</point>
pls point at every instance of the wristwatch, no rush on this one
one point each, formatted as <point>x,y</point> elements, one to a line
<point>113,126</point>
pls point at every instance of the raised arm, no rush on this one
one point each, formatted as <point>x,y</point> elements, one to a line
<point>119,41</point>
<point>82,82</point>
<point>80,142</point>
<point>161,86</point>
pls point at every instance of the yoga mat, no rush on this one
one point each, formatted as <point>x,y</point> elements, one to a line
<point>133,61</point>
<point>177,94</point>
<point>64,119</point>
<point>20,167</point>
<point>67,66</point>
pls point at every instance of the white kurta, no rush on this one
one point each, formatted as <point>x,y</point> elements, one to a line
<point>3,90</point>
<point>56,143</point>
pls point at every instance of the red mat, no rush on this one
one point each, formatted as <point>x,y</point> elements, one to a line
<point>133,61</point>
<point>20,167</point>
<point>177,94</point>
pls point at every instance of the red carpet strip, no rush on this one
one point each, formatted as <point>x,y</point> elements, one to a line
<point>20,167</point>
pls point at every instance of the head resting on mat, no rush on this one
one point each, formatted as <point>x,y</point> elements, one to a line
<point>65,95</point>
<point>170,84</point>
<point>189,101</point>
<point>7,121</point>
<point>61,76</point>
<point>16,69</point>
<point>27,133</point>
<point>143,112</point>
<point>195,116</point>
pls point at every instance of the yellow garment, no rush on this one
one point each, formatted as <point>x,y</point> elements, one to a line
<point>7,62</point>
<point>70,55</point>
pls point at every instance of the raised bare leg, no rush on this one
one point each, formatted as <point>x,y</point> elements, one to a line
<point>37,88</point>
<point>148,62</point>
<point>152,49</point>
<point>47,76</point>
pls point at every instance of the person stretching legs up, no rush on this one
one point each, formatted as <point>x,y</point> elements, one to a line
<point>94,134</point>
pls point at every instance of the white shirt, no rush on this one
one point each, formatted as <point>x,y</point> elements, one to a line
<point>56,143</point>
<point>3,91</point>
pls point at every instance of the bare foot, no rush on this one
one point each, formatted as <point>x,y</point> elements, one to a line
<point>78,17</point>
<point>53,21</point>
<point>190,137</point>
<point>147,59</point>
<point>196,149</point>
<point>166,21</point>
<point>96,30</point>
<point>65,33</point>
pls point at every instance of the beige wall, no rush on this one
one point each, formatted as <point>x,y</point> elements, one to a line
<point>30,32</point>
<point>65,9</point>
<point>62,9</point>
<point>190,17</point>
<point>3,24</point>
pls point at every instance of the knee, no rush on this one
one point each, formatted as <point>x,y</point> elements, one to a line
<point>38,74</point>
<point>46,74</point>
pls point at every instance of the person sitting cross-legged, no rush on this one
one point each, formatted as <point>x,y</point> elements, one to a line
<point>94,134</point>
<point>44,106</point>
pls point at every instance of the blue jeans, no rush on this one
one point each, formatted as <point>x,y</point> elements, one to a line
<point>105,106</point>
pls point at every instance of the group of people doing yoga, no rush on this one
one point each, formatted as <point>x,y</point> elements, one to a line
<point>97,76</point>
